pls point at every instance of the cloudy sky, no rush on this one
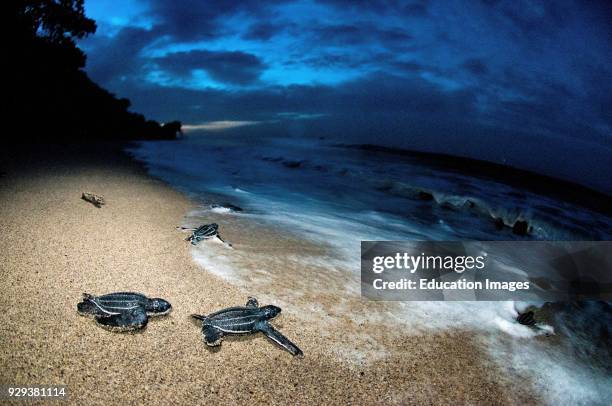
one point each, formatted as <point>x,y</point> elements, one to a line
<point>522,82</point>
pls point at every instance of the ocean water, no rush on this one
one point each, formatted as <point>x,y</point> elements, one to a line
<point>307,204</point>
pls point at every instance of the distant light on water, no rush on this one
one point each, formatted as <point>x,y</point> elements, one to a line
<point>218,125</point>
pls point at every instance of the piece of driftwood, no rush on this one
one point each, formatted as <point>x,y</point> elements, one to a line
<point>96,200</point>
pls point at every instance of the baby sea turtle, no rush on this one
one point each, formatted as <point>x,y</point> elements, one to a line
<point>205,232</point>
<point>246,319</point>
<point>122,311</point>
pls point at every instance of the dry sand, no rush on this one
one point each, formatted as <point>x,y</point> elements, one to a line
<point>55,246</point>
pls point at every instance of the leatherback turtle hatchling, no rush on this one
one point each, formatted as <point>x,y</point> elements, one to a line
<point>205,232</point>
<point>122,311</point>
<point>246,319</point>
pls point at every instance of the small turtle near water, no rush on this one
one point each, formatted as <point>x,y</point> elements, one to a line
<point>248,319</point>
<point>122,311</point>
<point>205,232</point>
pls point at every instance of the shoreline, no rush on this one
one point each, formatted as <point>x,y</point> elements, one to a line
<point>56,246</point>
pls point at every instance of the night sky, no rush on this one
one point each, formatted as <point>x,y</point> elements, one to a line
<point>522,82</point>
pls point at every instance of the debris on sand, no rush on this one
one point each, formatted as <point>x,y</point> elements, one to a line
<point>94,199</point>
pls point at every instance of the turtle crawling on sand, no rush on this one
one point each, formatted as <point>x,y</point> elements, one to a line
<point>205,232</point>
<point>122,311</point>
<point>248,319</point>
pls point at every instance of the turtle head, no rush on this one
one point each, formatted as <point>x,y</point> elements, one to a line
<point>159,306</point>
<point>270,311</point>
<point>86,307</point>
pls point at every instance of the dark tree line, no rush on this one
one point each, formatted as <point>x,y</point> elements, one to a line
<point>50,96</point>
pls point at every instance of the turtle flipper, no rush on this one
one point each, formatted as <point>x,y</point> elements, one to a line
<point>276,336</point>
<point>212,335</point>
<point>132,319</point>
<point>526,318</point>
<point>252,302</point>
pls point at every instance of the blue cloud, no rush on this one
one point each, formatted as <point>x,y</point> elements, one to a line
<point>232,67</point>
<point>476,70</point>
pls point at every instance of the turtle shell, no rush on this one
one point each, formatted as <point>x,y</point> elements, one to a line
<point>120,301</point>
<point>237,320</point>
<point>206,231</point>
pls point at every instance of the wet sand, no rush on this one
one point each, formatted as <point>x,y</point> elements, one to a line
<point>55,246</point>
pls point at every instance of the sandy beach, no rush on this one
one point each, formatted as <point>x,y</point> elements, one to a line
<point>55,246</point>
